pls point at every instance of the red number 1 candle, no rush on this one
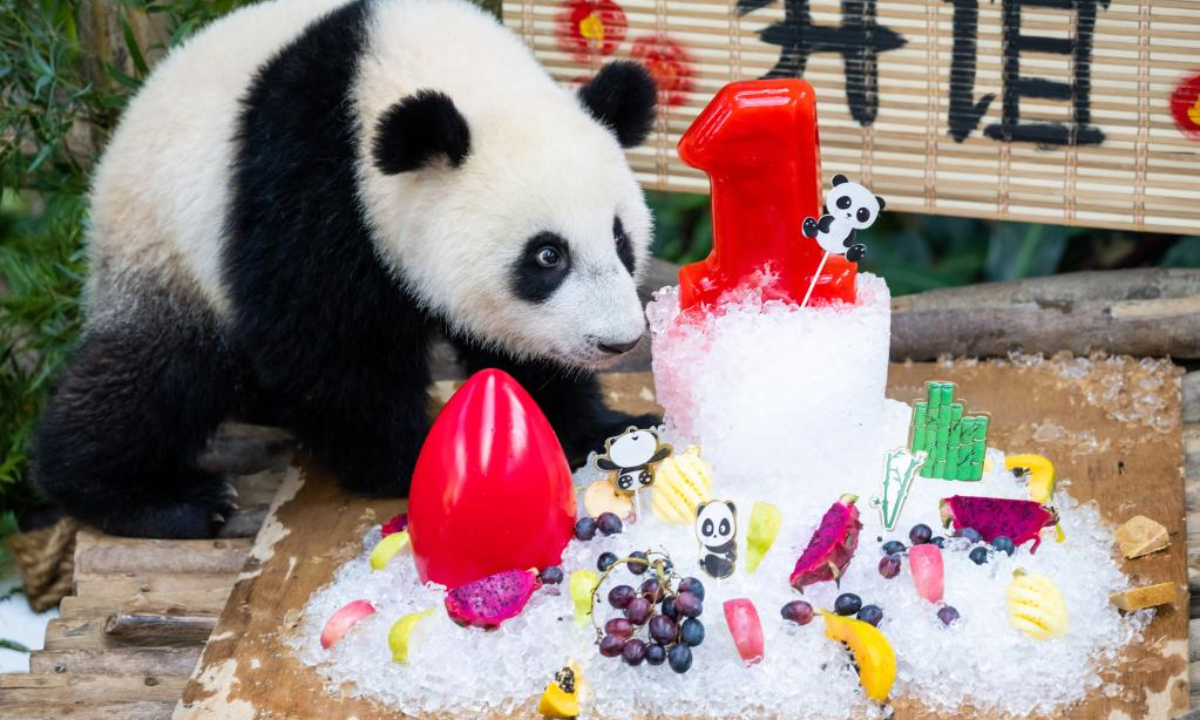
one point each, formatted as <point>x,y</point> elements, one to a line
<point>757,141</point>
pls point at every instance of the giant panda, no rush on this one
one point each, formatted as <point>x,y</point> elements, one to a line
<point>299,199</point>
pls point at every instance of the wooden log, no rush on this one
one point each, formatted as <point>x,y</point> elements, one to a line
<point>98,553</point>
<point>150,629</point>
<point>145,710</point>
<point>1191,397</point>
<point>118,586</point>
<point>68,688</point>
<point>1147,312</point>
<point>171,603</point>
<point>117,661</point>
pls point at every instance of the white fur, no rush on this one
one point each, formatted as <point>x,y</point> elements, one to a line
<point>538,162</point>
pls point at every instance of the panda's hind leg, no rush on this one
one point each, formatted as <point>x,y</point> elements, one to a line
<point>118,441</point>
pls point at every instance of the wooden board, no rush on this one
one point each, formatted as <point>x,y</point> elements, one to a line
<point>1061,111</point>
<point>1128,466</point>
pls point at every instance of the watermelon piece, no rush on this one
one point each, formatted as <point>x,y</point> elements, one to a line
<point>1019,520</point>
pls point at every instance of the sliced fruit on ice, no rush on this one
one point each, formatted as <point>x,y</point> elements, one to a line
<point>925,563</point>
<point>489,601</point>
<point>765,520</point>
<point>1035,606</point>
<point>561,697</point>
<point>831,547</point>
<point>872,653</point>
<point>582,585</point>
<point>742,618</point>
<point>345,618</point>
<point>1040,473</point>
<point>601,497</point>
<point>1017,520</point>
<point>387,549</point>
<point>401,633</point>
<point>681,484</point>
<point>395,525</point>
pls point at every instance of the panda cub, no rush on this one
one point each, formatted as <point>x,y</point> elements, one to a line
<point>850,207</point>
<point>300,199</point>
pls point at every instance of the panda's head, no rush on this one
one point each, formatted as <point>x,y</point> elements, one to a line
<point>716,523</point>
<point>518,220</point>
<point>850,202</point>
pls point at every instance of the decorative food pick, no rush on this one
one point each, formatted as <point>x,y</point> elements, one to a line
<point>1036,607</point>
<point>716,529</point>
<point>831,546</point>
<point>489,601</point>
<point>682,482</point>
<point>633,457</point>
<point>1017,520</point>
<point>956,443</point>
<point>849,207</point>
<point>873,653</point>
<point>757,141</point>
<point>765,520</point>
<point>561,697</point>
<point>345,618</point>
<point>491,490</point>
<point>742,618</point>
<point>602,497</point>
<point>899,470</point>
<point>400,636</point>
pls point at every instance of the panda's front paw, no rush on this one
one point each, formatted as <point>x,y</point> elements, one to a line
<point>810,227</point>
<point>856,253</point>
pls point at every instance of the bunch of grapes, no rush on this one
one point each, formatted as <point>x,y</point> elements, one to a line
<point>659,621</point>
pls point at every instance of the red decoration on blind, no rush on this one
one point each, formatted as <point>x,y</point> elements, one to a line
<point>757,141</point>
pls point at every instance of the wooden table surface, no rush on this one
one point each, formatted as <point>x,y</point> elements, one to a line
<point>143,609</point>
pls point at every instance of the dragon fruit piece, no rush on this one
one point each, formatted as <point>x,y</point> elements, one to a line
<point>489,601</point>
<point>1018,520</point>
<point>395,525</point>
<point>831,547</point>
<point>925,562</point>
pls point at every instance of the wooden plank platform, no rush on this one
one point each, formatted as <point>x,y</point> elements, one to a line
<point>80,646</point>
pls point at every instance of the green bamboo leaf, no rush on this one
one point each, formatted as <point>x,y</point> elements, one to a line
<point>131,42</point>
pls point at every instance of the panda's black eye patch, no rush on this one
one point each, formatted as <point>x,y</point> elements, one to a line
<point>624,247</point>
<point>863,215</point>
<point>542,267</point>
<point>844,202</point>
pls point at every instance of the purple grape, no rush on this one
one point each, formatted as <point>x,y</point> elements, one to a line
<point>585,528</point>
<point>920,534</point>
<point>651,590</point>
<point>656,654</point>
<point>872,614</point>
<point>638,611</point>
<point>680,657</point>
<point>668,607</point>
<point>605,561</point>
<point>619,627</point>
<point>688,605</point>
<point>638,564</point>
<point>797,611</point>
<point>634,652</point>
<point>667,566</point>
<point>692,585</point>
<point>889,566</point>
<point>663,629</point>
<point>691,632</point>
<point>552,575</point>
<point>948,615</point>
<point>847,604</point>
<point>620,596</point>
<point>611,645</point>
<point>608,523</point>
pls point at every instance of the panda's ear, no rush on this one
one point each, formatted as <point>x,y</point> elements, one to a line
<point>419,129</point>
<point>882,204</point>
<point>732,507</point>
<point>622,97</point>
<point>839,179</point>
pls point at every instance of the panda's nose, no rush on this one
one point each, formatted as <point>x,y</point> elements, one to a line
<point>619,348</point>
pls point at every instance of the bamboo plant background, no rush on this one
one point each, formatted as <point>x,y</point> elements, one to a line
<point>66,70</point>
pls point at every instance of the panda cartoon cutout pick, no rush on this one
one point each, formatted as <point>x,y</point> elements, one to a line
<point>716,529</point>
<point>849,207</point>
<point>633,457</point>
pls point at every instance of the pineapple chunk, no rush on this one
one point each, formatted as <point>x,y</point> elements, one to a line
<point>1144,597</point>
<point>1141,536</point>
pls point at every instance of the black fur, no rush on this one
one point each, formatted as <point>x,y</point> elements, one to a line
<point>419,129</point>
<point>624,247</point>
<point>623,96</point>
<point>533,282</point>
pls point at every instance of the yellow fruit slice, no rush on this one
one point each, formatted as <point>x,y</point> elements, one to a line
<point>681,483</point>
<point>401,632</point>
<point>561,698</point>
<point>388,547</point>
<point>765,520</point>
<point>1041,481</point>
<point>1036,607</point>
<point>601,497</point>
<point>872,652</point>
<point>582,584</point>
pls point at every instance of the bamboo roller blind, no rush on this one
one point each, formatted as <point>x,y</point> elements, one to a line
<point>1127,164</point>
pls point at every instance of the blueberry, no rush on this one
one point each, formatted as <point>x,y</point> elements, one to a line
<point>552,575</point>
<point>871,614</point>
<point>637,564</point>
<point>693,586</point>
<point>668,608</point>
<point>893,547</point>
<point>605,561</point>
<point>889,566</point>
<point>847,604</point>
<point>608,523</point>
<point>797,611</point>
<point>585,528</point>
<point>979,555</point>
<point>656,654</point>
<point>1004,545</point>
<point>680,658</point>
<point>948,615</point>
<point>920,534</point>
<point>634,652</point>
<point>938,540</point>
<point>970,534</point>
<point>691,633</point>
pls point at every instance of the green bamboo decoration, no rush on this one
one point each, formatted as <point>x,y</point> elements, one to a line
<point>954,442</point>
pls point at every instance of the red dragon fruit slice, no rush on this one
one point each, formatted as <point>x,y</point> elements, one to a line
<point>489,601</point>
<point>831,547</point>
<point>1017,520</point>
